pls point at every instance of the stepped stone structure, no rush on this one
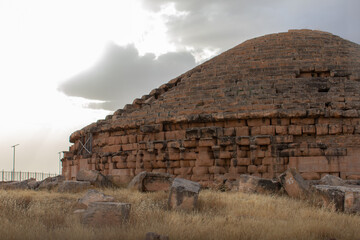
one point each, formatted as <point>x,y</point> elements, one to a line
<point>278,101</point>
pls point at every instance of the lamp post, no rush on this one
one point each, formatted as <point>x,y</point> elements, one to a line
<point>59,162</point>
<point>13,173</point>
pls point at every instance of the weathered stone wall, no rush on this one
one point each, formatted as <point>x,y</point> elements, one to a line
<point>278,101</point>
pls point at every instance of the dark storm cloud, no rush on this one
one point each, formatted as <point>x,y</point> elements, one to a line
<point>224,24</point>
<point>122,75</point>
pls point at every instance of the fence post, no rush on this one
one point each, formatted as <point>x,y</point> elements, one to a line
<point>3,175</point>
<point>20,176</point>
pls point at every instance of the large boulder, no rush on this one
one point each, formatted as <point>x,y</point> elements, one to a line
<point>331,181</point>
<point>51,182</point>
<point>183,194</point>
<point>104,214</point>
<point>151,182</point>
<point>95,178</point>
<point>93,195</point>
<point>253,184</point>
<point>330,197</point>
<point>73,186</point>
<point>294,184</point>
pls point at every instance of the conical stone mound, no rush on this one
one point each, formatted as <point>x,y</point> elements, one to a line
<point>282,100</point>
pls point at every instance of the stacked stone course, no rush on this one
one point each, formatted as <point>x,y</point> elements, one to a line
<point>278,101</point>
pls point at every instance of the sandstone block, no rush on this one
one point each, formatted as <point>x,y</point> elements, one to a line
<point>322,129</point>
<point>294,184</point>
<point>105,214</point>
<point>94,177</point>
<point>253,184</point>
<point>311,175</point>
<point>183,194</point>
<point>151,182</point>
<point>93,195</point>
<point>331,181</point>
<point>295,130</point>
<point>330,197</point>
<point>73,186</point>
<point>352,202</point>
<point>262,140</point>
<point>281,130</point>
<point>51,182</point>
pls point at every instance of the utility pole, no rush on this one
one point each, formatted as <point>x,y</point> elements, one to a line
<point>59,162</point>
<point>13,173</point>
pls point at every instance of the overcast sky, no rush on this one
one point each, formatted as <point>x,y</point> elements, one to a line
<point>65,64</point>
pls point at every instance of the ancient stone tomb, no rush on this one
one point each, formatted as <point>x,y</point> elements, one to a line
<point>278,101</point>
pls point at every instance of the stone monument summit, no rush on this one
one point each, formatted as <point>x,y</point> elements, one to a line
<point>282,100</point>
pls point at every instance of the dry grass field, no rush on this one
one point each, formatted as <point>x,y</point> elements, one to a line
<point>221,215</point>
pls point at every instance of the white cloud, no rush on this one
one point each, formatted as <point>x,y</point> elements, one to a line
<point>123,75</point>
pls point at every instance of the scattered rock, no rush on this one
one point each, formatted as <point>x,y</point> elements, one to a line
<point>151,182</point>
<point>183,194</point>
<point>253,184</point>
<point>50,182</point>
<point>155,236</point>
<point>73,186</point>
<point>26,184</point>
<point>95,178</point>
<point>104,214</point>
<point>93,195</point>
<point>294,184</point>
<point>331,181</point>
<point>330,197</point>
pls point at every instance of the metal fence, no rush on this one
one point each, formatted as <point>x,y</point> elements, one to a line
<point>20,176</point>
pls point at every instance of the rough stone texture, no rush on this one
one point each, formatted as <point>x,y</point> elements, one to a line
<point>253,184</point>
<point>332,181</point>
<point>94,177</point>
<point>352,202</point>
<point>330,196</point>
<point>155,236</point>
<point>151,182</point>
<point>51,182</point>
<point>282,100</point>
<point>73,186</point>
<point>26,184</point>
<point>93,195</point>
<point>294,185</point>
<point>183,194</point>
<point>103,214</point>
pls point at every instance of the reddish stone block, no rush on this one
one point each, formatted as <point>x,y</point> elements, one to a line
<point>335,128</point>
<point>322,129</point>
<point>252,169</point>
<point>258,122</point>
<point>242,131</point>
<point>281,130</point>
<point>308,129</point>
<point>295,130</point>
<point>262,141</point>
<point>267,130</point>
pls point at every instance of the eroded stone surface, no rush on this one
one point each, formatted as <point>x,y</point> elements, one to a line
<point>94,177</point>
<point>183,194</point>
<point>103,214</point>
<point>253,184</point>
<point>73,186</point>
<point>93,195</point>
<point>293,183</point>
<point>151,182</point>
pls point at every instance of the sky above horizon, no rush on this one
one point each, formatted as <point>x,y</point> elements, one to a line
<point>66,64</point>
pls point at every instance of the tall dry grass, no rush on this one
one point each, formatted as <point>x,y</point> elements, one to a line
<point>221,215</point>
